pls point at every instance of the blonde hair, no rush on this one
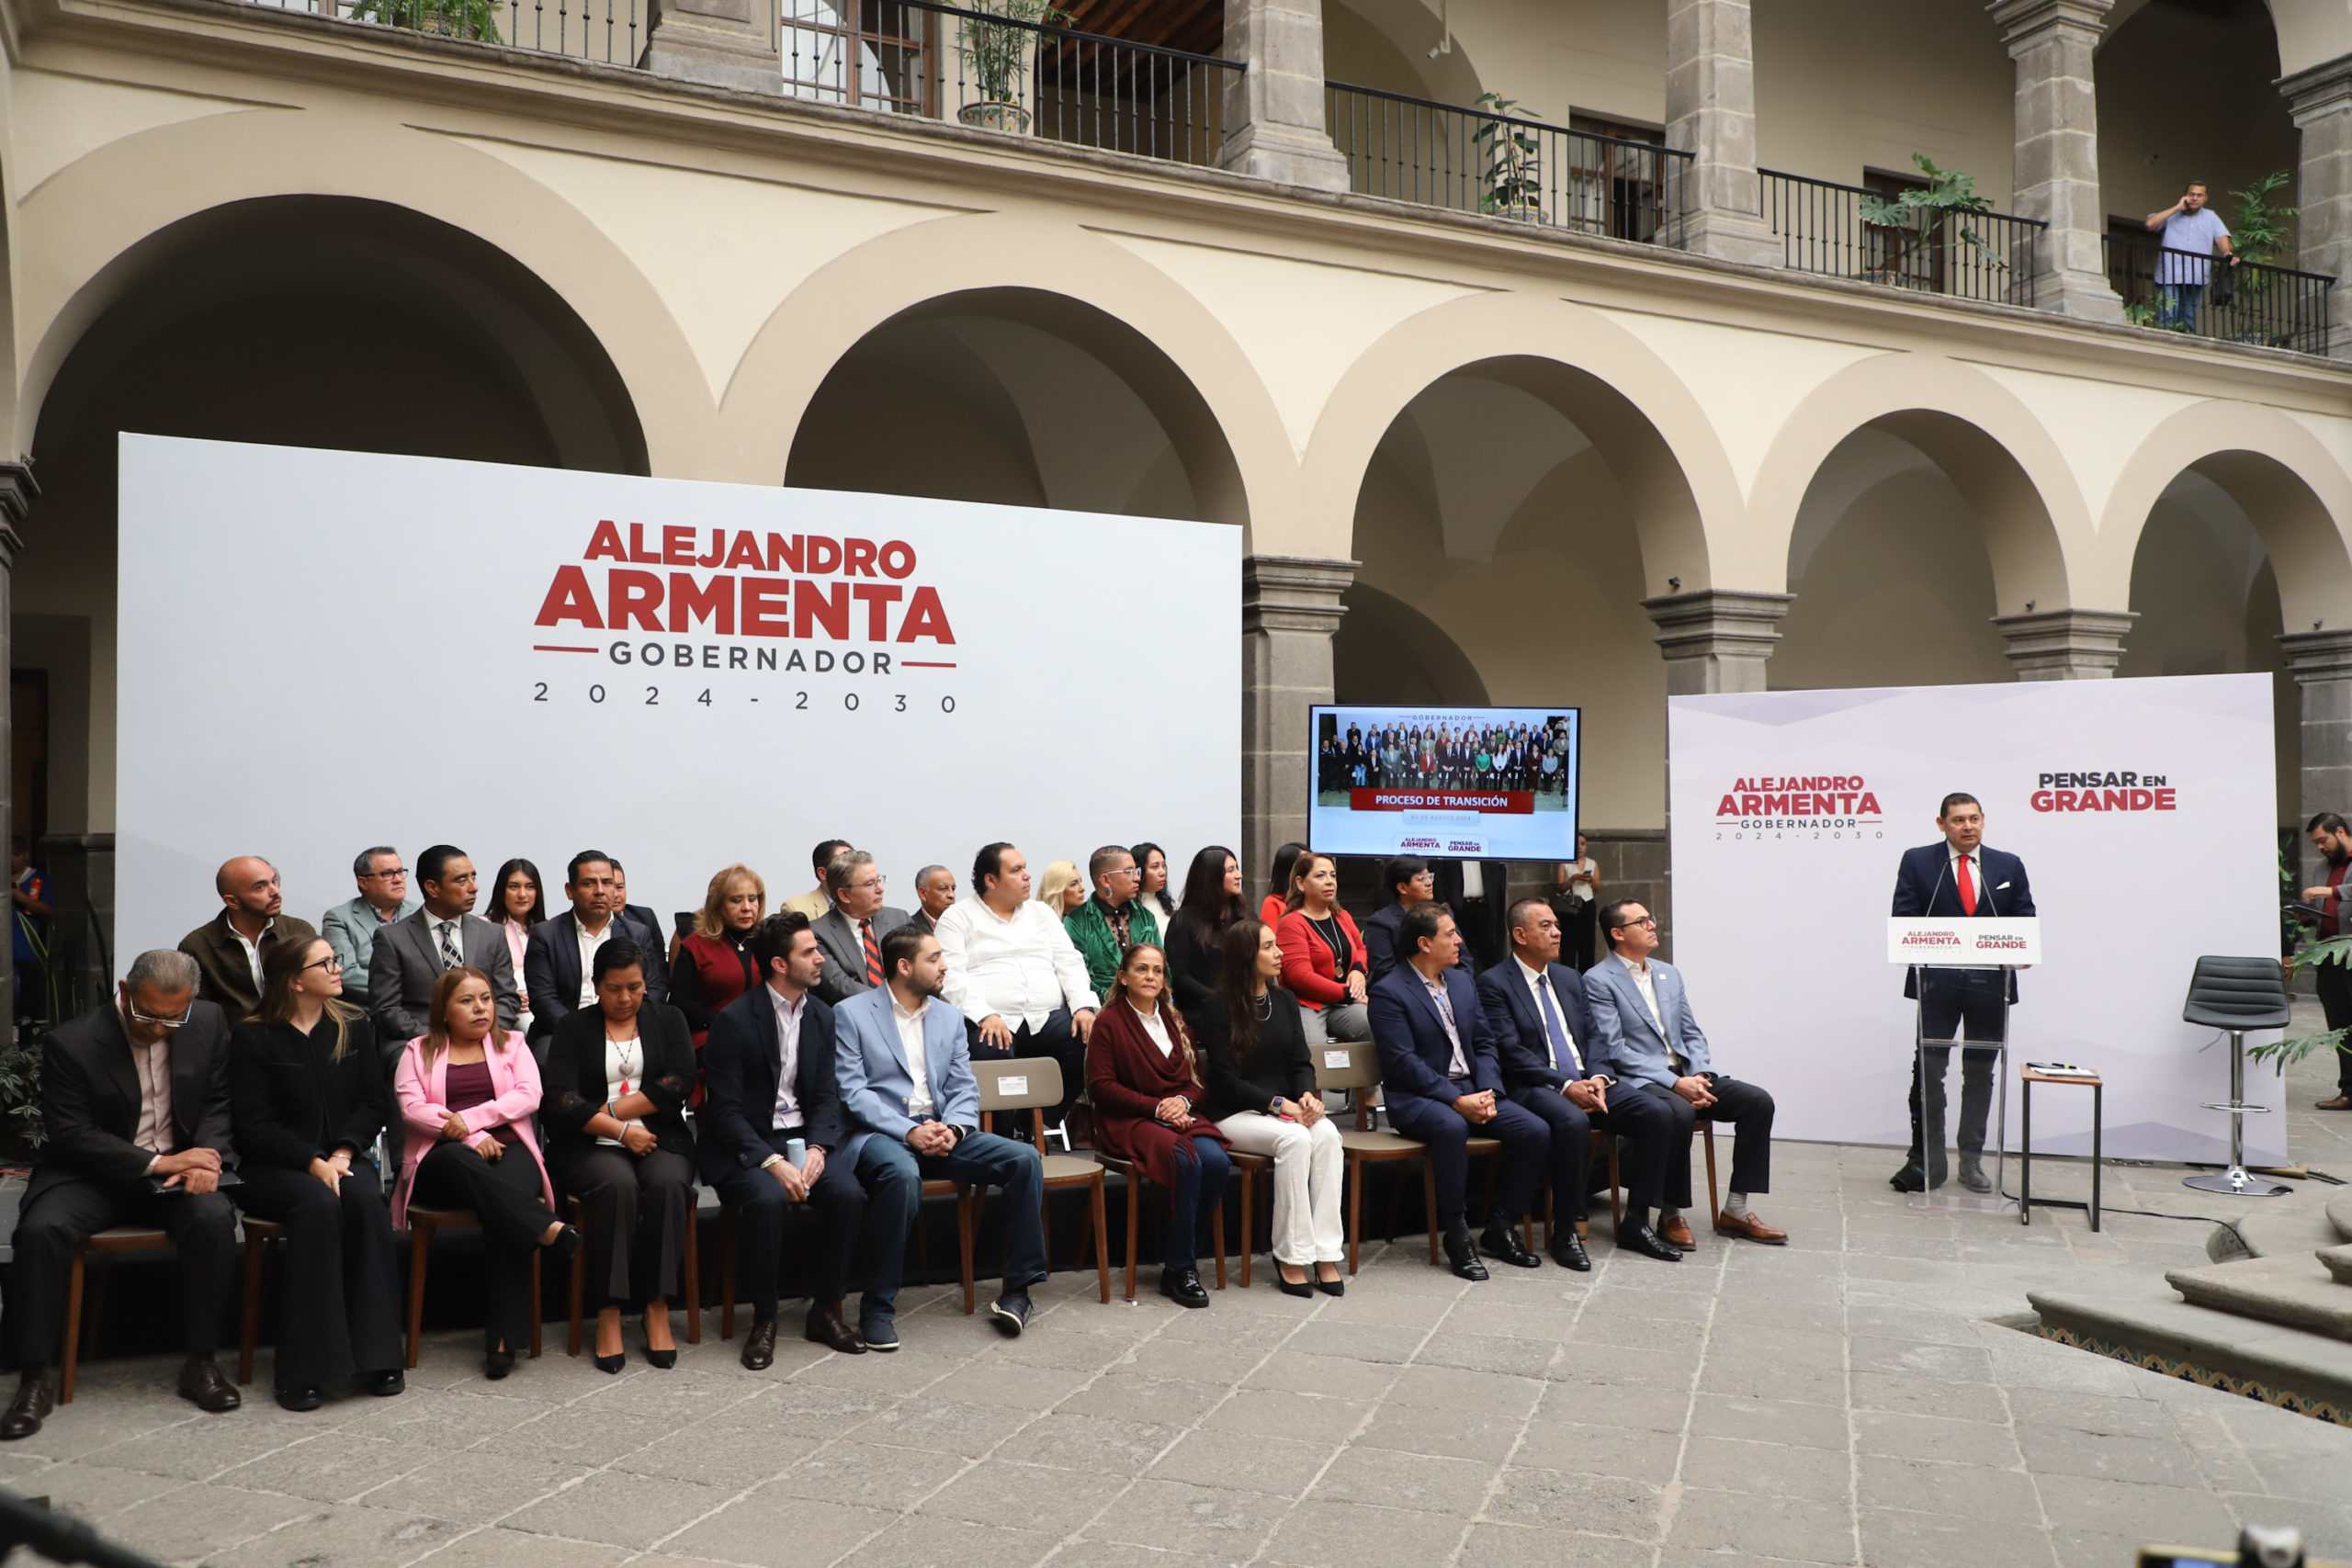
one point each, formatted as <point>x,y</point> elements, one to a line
<point>1058,879</point>
<point>281,966</point>
<point>711,919</point>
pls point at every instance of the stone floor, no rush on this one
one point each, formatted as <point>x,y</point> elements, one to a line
<point>1855,1398</point>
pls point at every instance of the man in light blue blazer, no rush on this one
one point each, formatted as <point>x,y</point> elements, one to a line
<point>905,1067</point>
<point>1645,1037</point>
<point>350,929</point>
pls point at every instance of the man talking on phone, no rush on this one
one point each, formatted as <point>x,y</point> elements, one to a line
<point>1957,879</point>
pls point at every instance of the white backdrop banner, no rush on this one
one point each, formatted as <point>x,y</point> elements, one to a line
<point>2142,809</point>
<point>325,651</point>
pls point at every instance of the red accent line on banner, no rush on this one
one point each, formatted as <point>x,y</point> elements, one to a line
<point>922,664</point>
<point>550,648</point>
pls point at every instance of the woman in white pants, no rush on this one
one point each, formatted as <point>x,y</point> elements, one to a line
<point>1261,1097</point>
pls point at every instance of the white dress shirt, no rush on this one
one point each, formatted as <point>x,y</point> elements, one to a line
<point>624,1076</point>
<point>589,943</point>
<point>456,930</point>
<point>154,1131</point>
<point>253,948</point>
<point>1975,859</point>
<point>1156,1025</point>
<point>1646,982</point>
<point>1019,968</point>
<point>920,1107</point>
<point>1474,880</point>
<point>787,1029</point>
<point>1539,985</point>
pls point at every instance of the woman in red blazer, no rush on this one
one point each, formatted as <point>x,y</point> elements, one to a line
<point>1323,960</point>
<point>1144,1078</point>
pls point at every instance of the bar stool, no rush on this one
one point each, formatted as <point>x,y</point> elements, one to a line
<point>2237,996</point>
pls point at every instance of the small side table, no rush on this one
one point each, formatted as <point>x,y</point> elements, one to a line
<point>2026,1079</point>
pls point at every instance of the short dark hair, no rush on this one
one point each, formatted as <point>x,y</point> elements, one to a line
<point>1100,861</point>
<point>989,863</point>
<point>1612,917</point>
<point>2327,819</point>
<point>1516,916</point>
<point>364,866</point>
<point>822,855</point>
<point>1957,799</point>
<point>2196,185</point>
<point>1402,869</point>
<point>1285,858</point>
<point>618,953</point>
<point>586,857</point>
<point>772,938</point>
<point>435,861</point>
<point>1419,925</point>
<point>842,866</point>
<point>902,946</point>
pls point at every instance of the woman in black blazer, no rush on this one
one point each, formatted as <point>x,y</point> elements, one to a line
<point>616,1086</point>
<point>308,1094</point>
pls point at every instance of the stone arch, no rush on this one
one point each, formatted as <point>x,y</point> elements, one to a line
<point>1386,651</point>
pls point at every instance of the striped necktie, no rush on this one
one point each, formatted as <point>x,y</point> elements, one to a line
<point>450,958</point>
<point>873,953</point>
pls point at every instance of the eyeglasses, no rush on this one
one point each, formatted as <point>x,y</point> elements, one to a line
<point>1644,921</point>
<point>164,1022</point>
<point>329,962</point>
<point>398,871</point>
<point>871,885</point>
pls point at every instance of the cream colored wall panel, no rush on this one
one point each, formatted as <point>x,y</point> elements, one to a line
<point>2097,425</point>
<point>2336,434</point>
<point>722,252</point>
<point>1747,382</point>
<point>1301,323</point>
<point>56,120</point>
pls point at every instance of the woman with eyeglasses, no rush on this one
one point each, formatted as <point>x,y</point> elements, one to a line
<point>307,1098</point>
<point>516,904</point>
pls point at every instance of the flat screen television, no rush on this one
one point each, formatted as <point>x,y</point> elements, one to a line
<point>1444,783</point>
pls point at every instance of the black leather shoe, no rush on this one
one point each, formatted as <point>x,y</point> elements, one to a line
<point>301,1399</point>
<point>1569,1253</point>
<point>1637,1236</point>
<point>1462,1252</point>
<point>1010,1313</point>
<point>204,1385</point>
<point>1501,1243</point>
<point>566,1243</point>
<point>759,1347</point>
<point>1183,1287</point>
<point>826,1327</point>
<point>383,1385</point>
<point>496,1364</point>
<point>1910,1178</point>
<point>36,1397</point>
<point>1972,1175</point>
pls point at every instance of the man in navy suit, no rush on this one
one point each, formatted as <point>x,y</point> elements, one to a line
<point>1534,1007</point>
<point>560,955</point>
<point>1442,1081</point>
<point>1957,879</point>
<point>768,1083</point>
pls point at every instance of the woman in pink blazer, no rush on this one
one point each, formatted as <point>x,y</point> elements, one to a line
<point>468,1091</point>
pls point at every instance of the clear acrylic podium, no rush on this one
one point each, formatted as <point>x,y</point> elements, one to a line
<point>1962,971</point>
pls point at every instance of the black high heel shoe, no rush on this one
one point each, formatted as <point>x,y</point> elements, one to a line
<point>1338,1287</point>
<point>614,1362</point>
<point>496,1364</point>
<point>1291,1287</point>
<point>663,1360</point>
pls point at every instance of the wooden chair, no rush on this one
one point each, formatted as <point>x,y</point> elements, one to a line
<point>1607,1143</point>
<point>1355,1065</point>
<point>424,1225</point>
<point>1247,1166</point>
<point>1027,1083</point>
<point>1136,1181</point>
<point>690,1265</point>
<point>120,1238</point>
<point>730,1246</point>
<point>259,1235</point>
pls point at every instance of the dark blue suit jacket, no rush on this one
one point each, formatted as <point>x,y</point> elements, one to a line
<point>742,1058</point>
<point>1925,890</point>
<point>552,966</point>
<point>1410,1037</point>
<point>1521,1038</point>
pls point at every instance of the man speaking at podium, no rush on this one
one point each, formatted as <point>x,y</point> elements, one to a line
<point>1959,878</point>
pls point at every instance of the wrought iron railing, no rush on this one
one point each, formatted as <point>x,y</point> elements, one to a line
<point>2277,307</point>
<point>611,32</point>
<point>1474,161</point>
<point>1976,256</point>
<point>935,62</point>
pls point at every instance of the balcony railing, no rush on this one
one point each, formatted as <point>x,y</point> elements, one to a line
<point>933,61</point>
<point>1820,228</point>
<point>2277,307</point>
<point>611,32</point>
<point>1472,161</point>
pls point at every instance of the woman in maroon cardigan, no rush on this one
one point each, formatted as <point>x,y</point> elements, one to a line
<point>1145,1081</point>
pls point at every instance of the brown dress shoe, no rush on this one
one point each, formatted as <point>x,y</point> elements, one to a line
<point>825,1327</point>
<point>204,1385</point>
<point>35,1399</point>
<point>2341,1102</point>
<point>1675,1233</point>
<point>1748,1227</point>
<point>759,1347</point>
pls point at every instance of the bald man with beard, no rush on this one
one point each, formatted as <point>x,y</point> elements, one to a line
<point>228,948</point>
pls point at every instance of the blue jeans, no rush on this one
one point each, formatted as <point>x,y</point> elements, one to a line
<point>1201,1169</point>
<point>2176,306</point>
<point>893,1175</point>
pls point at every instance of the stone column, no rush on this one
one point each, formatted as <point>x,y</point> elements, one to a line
<point>1711,114</point>
<point>2065,645</point>
<point>1716,639</point>
<point>17,493</point>
<point>1290,607</point>
<point>1273,107</point>
<point>2321,663</point>
<point>2320,101</point>
<point>2055,168</point>
<point>719,43</point>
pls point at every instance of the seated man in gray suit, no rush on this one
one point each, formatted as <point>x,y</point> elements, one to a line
<point>1645,1038</point>
<point>410,953</point>
<point>906,1077</point>
<point>851,932</point>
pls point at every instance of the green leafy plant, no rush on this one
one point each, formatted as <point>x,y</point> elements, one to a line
<point>2286,1052</point>
<point>1512,157</point>
<point>475,20</point>
<point>2140,313</point>
<point>999,53</point>
<point>1948,198</point>
<point>20,1124</point>
<point>2259,233</point>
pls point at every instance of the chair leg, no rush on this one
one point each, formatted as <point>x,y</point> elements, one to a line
<point>1714,1198</point>
<point>1355,1208</point>
<point>727,1250</point>
<point>1135,1186</point>
<point>249,1326</point>
<point>968,1221</point>
<point>579,1280</point>
<point>420,1241</point>
<point>1429,1204</point>
<point>1101,1237</point>
<point>693,1262</point>
<point>73,1326</point>
<point>1216,1241</point>
<point>1616,1190</point>
<point>1487,1190</point>
<point>1045,1228</point>
<point>923,1243</point>
<point>1249,1220</point>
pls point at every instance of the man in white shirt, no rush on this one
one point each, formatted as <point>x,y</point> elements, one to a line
<point>1014,975</point>
<point>559,955</point>
<point>411,952</point>
<point>2190,232</point>
<point>228,948</point>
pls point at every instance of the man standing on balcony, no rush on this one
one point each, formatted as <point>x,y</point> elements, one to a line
<point>2191,231</point>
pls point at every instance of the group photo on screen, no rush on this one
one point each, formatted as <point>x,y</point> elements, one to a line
<point>1443,750</point>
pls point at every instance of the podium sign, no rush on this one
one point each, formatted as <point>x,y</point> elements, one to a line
<point>1965,944</point>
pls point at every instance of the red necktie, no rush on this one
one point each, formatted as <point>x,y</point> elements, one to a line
<point>1967,887</point>
<point>874,953</point>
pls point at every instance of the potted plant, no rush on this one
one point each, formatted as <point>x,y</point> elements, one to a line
<point>474,19</point>
<point>21,1132</point>
<point>1915,218</point>
<point>998,55</point>
<point>2260,233</point>
<point>1512,163</point>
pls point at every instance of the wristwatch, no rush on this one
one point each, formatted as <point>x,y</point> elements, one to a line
<point>1274,1106</point>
